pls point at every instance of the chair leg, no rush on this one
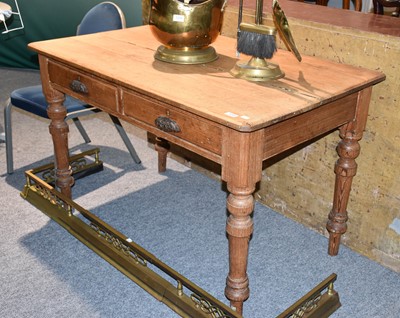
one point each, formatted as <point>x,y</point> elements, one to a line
<point>125,139</point>
<point>8,137</point>
<point>358,5</point>
<point>378,7</point>
<point>82,130</point>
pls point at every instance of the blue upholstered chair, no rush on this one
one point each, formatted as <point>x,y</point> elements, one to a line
<point>105,16</point>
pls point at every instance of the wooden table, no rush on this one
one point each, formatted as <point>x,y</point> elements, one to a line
<point>235,123</point>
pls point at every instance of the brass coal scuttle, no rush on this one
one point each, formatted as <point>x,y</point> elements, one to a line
<point>186,28</point>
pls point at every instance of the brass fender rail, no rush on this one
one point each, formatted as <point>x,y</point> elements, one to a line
<point>315,304</point>
<point>133,260</point>
<point>119,250</point>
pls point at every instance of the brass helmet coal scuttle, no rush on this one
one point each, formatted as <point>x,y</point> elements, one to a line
<point>186,28</point>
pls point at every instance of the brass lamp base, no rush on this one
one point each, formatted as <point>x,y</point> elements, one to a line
<point>257,70</point>
<point>186,55</point>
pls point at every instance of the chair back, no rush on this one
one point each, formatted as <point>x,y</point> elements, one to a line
<point>105,16</point>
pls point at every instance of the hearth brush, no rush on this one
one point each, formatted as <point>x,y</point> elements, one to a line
<point>256,39</point>
<point>259,41</point>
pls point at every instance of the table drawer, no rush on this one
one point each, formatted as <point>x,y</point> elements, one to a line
<point>176,122</point>
<point>84,87</point>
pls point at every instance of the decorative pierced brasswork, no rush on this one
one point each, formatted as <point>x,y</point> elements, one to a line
<point>307,307</point>
<point>50,196</point>
<point>77,165</point>
<point>41,180</point>
<point>320,302</point>
<point>207,307</point>
<point>118,244</point>
<point>48,175</point>
<point>133,260</point>
<point>112,245</point>
<point>46,192</point>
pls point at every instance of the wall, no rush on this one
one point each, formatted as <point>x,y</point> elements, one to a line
<point>49,19</point>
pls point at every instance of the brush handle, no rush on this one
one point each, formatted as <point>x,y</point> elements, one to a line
<point>240,15</point>
<point>259,11</point>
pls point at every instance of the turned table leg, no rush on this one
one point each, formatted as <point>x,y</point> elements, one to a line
<point>59,130</point>
<point>241,169</point>
<point>162,148</point>
<point>345,169</point>
<point>239,226</point>
<point>348,150</point>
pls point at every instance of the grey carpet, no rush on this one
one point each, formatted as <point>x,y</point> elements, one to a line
<point>178,216</point>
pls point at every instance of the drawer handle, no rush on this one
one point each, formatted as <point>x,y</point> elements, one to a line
<point>78,87</point>
<point>167,124</point>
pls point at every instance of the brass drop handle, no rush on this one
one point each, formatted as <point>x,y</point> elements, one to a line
<point>167,124</point>
<point>78,87</point>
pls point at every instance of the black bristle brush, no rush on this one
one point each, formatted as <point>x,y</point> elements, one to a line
<point>256,39</point>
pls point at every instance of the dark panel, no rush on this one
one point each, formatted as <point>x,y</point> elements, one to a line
<point>49,19</point>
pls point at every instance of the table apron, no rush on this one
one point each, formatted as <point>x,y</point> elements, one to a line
<point>307,126</point>
<point>196,133</point>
